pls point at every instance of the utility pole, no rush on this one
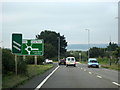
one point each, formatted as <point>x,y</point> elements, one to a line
<point>80,57</point>
<point>88,42</point>
<point>58,48</point>
<point>110,52</point>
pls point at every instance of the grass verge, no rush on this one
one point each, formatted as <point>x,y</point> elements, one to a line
<point>106,65</point>
<point>113,66</point>
<point>12,80</point>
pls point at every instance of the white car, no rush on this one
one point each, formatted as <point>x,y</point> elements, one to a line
<point>70,61</point>
<point>48,61</point>
<point>92,62</point>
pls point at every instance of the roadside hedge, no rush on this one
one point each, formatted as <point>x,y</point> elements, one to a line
<point>8,63</point>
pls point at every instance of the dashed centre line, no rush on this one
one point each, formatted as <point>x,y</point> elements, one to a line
<point>115,83</point>
<point>90,73</point>
<point>99,76</point>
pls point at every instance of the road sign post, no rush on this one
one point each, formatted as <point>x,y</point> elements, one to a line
<point>35,59</point>
<point>32,47</point>
<point>16,64</point>
<point>16,46</point>
<point>24,57</point>
<point>24,47</point>
<point>16,43</point>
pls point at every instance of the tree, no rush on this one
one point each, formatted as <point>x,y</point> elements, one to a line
<point>117,54</point>
<point>112,46</point>
<point>97,52</point>
<point>51,43</point>
<point>50,51</point>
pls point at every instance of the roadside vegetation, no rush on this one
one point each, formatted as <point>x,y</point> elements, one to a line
<point>108,57</point>
<point>25,67</point>
<point>12,80</point>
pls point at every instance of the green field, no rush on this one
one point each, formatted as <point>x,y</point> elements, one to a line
<point>12,80</point>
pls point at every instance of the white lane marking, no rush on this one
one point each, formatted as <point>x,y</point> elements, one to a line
<point>40,85</point>
<point>99,76</point>
<point>116,83</point>
<point>90,73</point>
<point>81,68</point>
<point>84,69</point>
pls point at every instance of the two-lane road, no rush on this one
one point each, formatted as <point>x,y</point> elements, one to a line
<point>75,77</point>
<point>82,77</point>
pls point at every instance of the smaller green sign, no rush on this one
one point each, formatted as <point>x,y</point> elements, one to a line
<point>16,43</point>
<point>32,47</point>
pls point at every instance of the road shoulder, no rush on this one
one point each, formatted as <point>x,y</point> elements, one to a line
<point>34,82</point>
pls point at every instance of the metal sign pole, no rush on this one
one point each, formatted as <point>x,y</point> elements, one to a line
<point>35,59</point>
<point>23,57</point>
<point>16,64</point>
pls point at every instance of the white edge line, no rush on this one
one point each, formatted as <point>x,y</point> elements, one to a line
<point>99,76</point>
<point>40,85</point>
<point>116,83</point>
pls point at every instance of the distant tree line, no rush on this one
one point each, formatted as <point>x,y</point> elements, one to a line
<point>103,52</point>
<point>111,51</point>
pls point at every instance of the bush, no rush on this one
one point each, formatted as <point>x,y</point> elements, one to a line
<point>106,60</point>
<point>22,66</point>
<point>40,59</point>
<point>8,62</point>
<point>29,59</point>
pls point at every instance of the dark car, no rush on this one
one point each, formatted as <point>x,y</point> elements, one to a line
<point>62,62</point>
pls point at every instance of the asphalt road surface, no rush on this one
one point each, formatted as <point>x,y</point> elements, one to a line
<point>79,77</point>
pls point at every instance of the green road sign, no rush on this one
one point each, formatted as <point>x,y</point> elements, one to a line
<point>32,47</point>
<point>16,43</point>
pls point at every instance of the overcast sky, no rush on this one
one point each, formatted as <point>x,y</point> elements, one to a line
<point>68,18</point>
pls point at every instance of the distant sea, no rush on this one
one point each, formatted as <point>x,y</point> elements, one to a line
<point>84,47</point>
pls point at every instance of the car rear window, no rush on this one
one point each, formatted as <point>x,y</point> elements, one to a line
<point>93,61</point>
<point>72,59</point>
<point>68,59</point>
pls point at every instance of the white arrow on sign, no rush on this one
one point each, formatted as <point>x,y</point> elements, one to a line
<point>17,43</point>
<point>16,47</point>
